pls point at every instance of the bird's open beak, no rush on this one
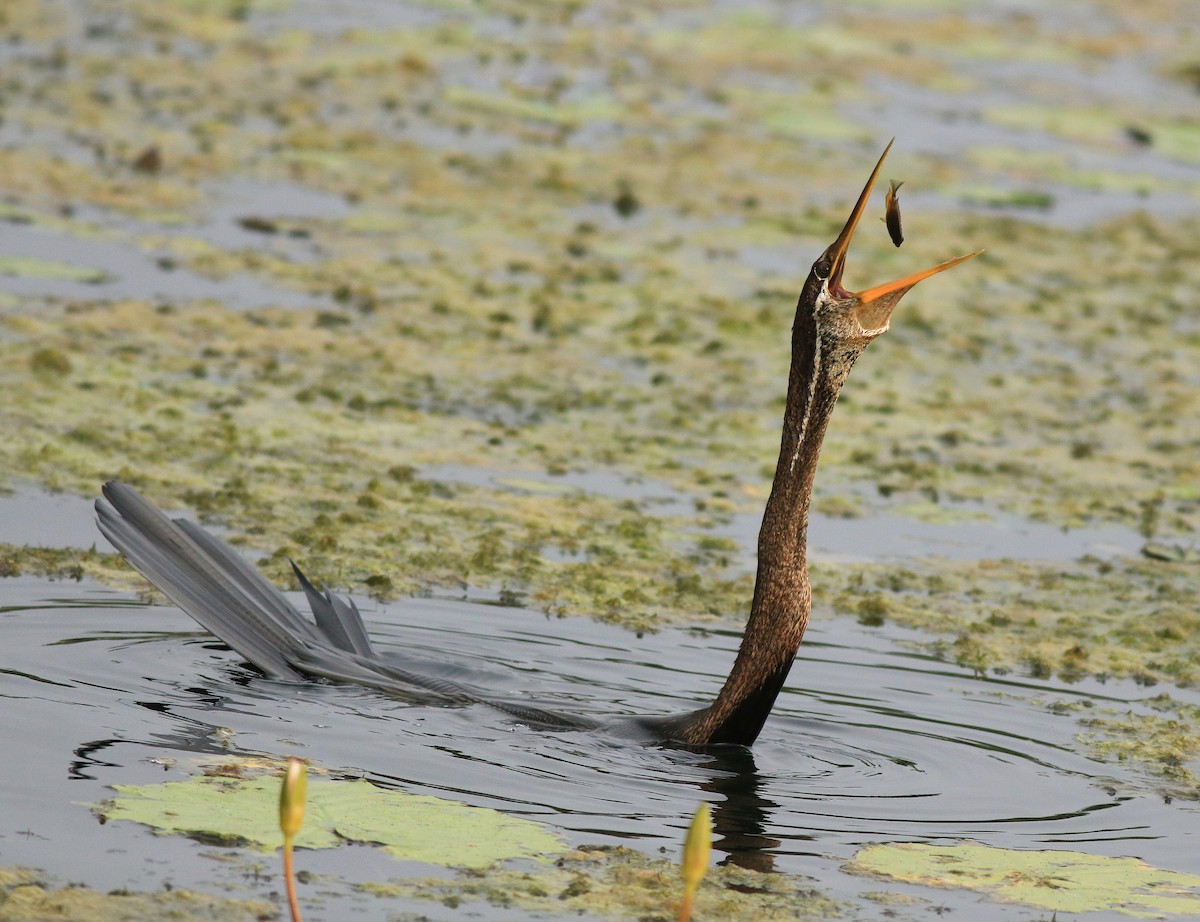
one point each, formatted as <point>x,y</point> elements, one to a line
<point>875,305</point>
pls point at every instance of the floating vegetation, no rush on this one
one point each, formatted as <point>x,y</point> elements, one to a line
<point>1127,618</point>
<point>29,266</point>
<point>236,809</point>
<point>1055,881</point>
<point>1165,743</point>
<point>27,896</point>
<point>616,882</point>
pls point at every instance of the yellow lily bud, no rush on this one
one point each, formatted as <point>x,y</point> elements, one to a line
<point>697,848</point>
<point>292,798</point>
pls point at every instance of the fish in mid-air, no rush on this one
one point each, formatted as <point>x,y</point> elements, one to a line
<point>892,215</point>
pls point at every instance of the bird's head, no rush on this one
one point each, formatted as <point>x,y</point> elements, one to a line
<point>857,317</point>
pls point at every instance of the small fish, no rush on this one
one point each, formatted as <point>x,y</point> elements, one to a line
<point>892,216</point>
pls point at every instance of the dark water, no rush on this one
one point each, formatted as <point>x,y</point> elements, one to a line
<point>868,744</point>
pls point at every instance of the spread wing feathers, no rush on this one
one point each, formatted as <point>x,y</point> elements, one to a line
<point>238,606</point>
<point>207,579</point>
<point>337,618</point>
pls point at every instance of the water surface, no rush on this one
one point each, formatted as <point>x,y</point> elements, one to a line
<point>868,743</point>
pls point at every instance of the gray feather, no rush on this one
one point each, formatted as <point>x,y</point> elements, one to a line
<point>208,579</point>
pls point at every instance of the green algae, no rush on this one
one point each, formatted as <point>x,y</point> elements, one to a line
<point>235,9</point>
<point>232,808</point>
<point>1126,618</point>
<point>1176,138</point>
<point>597,108</point>
<point>27,896</point>
<point>614,882</point>
<point>1172,553</point>
<point>937,514</point>
<point>1165,743</point>
<point>30,267</point>
<point>659,354</point>
<point>811,118</point>
<point>1061,167</point>
<point>56,563</point>
<point>177,405</point>
<point>997,197</point>
<point>1058,881</point>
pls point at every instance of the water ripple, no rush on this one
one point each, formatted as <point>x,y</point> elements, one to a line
<point>868,743</point>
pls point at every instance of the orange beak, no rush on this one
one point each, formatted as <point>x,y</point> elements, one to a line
<point>875,305</point>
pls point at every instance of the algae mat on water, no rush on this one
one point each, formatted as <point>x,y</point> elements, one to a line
<point>27,896</point>
<point>244,812</point>
<point>1058,881</point>
<point>524,256</point>
<point>615,882</point>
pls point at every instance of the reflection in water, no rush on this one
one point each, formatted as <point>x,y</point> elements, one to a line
<point>869,743</point>
<point>740,811</point>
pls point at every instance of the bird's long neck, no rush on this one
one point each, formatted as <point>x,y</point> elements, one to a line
<point>782,597</point>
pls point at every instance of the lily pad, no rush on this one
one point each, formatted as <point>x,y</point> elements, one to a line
<point>244,812</point>
<point>1057,881</point>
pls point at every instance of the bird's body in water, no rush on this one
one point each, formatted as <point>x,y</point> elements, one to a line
<point>209,581</point>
